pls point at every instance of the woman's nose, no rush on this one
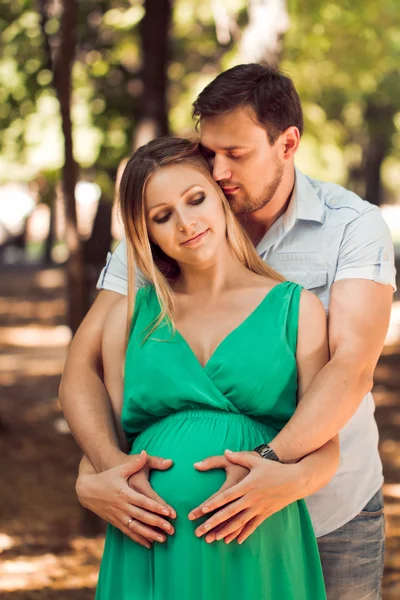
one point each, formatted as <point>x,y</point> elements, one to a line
<point>185,222</point>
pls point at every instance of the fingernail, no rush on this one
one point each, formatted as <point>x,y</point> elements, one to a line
<point>159,538</point>
<point>219,537</point>
<point>165,511</point>
<point>166,526</point>
<point>240,541</point>
<point>191,516</point>
<point>207,526</point>
<point>205,509</point>
<point>199,463</point>
<point>228,451</point>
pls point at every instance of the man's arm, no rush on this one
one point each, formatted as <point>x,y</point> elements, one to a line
<point>359,315</point>
<point>83,396</point>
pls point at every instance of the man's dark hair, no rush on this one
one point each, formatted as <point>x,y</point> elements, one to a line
<point>266,90</point>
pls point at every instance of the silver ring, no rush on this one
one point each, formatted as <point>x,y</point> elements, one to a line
<point>129,522</point>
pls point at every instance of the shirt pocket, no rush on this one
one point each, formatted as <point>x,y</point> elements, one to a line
<point>307,269</point>
<point>316,282</point>
<point>309,281</point>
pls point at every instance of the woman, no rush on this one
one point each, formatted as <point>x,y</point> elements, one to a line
<point>218,353</point>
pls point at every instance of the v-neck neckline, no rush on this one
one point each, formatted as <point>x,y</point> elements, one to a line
<point>232,332</point>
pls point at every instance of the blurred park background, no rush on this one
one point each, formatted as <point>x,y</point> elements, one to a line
<point>82,84</point>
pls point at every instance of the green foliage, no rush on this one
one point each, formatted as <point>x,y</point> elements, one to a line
<point>342,56</point>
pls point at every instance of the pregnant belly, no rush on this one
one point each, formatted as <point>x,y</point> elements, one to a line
<point>191,436</point>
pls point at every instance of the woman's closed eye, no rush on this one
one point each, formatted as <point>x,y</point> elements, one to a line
<point>198,200</point>
<point>164,217</point>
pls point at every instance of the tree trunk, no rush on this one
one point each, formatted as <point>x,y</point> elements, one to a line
<point>62,67</point>
<point>154,29</point>
<point>43,6</point>
<point>374,157</point>
<point>61,55</point>
<point>379,119</point>
<point>93,248</point>
<point>48,245</point>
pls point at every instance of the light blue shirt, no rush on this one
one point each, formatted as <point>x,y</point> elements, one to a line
<point>326,234</point>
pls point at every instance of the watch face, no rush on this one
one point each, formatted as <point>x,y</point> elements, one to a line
<point>266,452</point>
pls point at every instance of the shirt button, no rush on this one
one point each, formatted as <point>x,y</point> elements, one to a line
<point>386,256</point>
<point>333,202</point>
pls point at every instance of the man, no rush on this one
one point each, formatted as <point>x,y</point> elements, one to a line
<point>334,244</point>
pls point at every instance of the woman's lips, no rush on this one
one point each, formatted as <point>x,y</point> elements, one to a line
<point>195,240</point>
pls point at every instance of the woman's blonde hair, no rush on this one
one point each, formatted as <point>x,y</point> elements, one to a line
<point>155,265</point>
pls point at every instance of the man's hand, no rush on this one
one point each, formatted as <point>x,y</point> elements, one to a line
<point>267,488</point>
<point>109,495</point>
<point>234,474</point>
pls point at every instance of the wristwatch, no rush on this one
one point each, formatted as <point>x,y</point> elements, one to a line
<point>266,452</point>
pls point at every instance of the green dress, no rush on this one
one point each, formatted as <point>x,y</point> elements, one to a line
<point>175,408</point>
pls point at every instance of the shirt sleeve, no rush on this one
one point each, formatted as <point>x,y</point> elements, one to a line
<point>366,251</point>
<point>114,276</point>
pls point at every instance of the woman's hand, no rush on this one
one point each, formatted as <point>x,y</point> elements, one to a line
<point>267,488</point>
<point>135,511</point>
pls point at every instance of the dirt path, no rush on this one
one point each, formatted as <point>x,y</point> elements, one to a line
<point>43,554</point>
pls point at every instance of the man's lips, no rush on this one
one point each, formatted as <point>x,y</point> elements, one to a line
<point>230,190</point>
<point>194,240</point>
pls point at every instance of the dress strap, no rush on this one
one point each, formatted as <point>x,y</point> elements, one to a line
<point>293,310</point>
<point>141,293</point>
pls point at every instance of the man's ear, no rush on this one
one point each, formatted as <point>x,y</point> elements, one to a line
<point>290,140</point>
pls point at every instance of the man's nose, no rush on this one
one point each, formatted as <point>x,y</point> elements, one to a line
<point>221,168</point>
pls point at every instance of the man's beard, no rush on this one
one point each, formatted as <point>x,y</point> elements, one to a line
<point>245,204</point>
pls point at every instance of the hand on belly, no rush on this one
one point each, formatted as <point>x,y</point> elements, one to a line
<point>183,486</point>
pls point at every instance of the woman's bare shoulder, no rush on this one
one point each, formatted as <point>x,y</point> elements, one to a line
<point>312,330</point>
<point>311,307</point>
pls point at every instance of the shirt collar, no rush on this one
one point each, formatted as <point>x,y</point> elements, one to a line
<point>307,204</point>
<point>304,204</point>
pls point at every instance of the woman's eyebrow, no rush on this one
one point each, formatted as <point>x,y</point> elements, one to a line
<point>156,206</point>
<point>190,187</point>
<point>193,185</point>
